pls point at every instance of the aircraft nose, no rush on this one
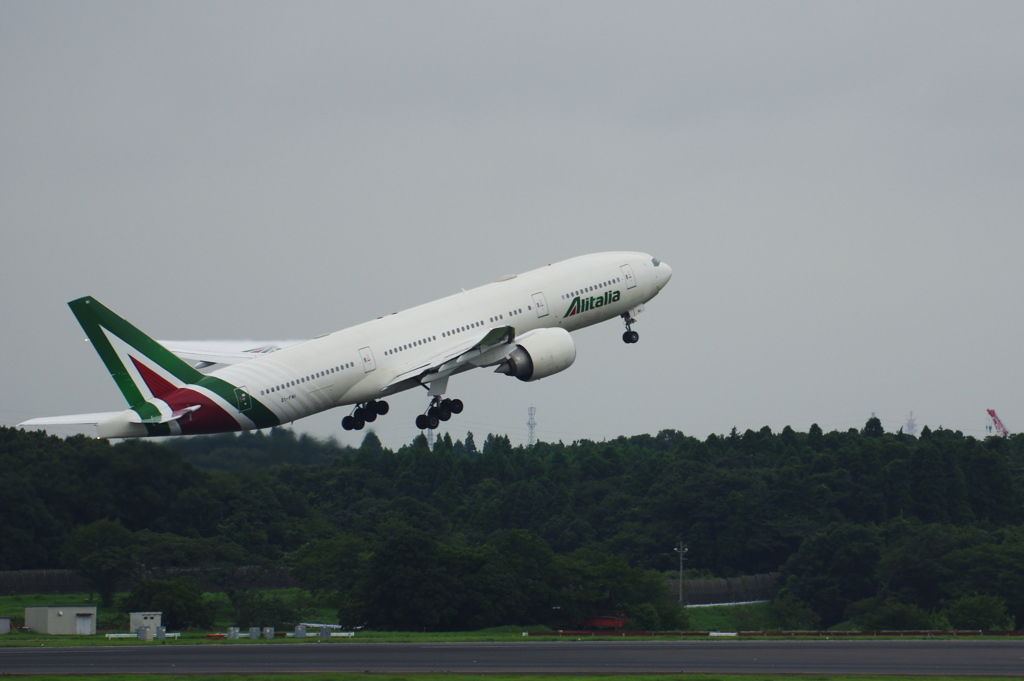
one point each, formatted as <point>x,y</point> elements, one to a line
<point>664,274</point>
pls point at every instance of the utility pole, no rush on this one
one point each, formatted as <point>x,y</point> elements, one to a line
<point>682,551</point>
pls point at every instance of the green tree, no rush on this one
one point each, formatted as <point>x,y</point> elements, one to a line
<point>834,568</point>
<point>517,576</point>
<point>331,566</point>
<point>256,608</point>
<point>873,428</point>
<point>979,611</point>
<point>407,584</point>
<point>101,553</point>
<point>790,613</point>
<point>887,614</point>
<point>180,600</point>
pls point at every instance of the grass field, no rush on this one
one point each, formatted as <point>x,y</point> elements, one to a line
<point>498,677</point>
<point>725,618</point>
<point>718,618</point>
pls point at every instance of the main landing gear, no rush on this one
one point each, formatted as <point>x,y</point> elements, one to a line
<point>630,336</point>
<point>440,410</point>
<point>367,412</point>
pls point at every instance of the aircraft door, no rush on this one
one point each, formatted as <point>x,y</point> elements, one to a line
<point>242,400</point>
<point>627,275</point>
<point>367,356</point>
<point>541,304</point>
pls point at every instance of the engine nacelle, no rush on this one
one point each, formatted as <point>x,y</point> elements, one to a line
<point>540,354</point>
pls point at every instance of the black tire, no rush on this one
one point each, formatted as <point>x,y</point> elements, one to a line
<point>444,413</point>
<point>456,406</point>
<point>346,423</point>
<point>382,407</point>
<point>625,336</point>
<point>433,422</point>
<point>358,423</point>
<point>369,415</point>
<point>421,421</point>
<point>432,412</point>
<point>634,336</point>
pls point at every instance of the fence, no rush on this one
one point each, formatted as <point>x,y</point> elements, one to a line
<point>15,582</point>
<point>731,590</point>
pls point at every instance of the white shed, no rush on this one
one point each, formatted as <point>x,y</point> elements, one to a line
<point>61,619</point>
<point>137,620</point>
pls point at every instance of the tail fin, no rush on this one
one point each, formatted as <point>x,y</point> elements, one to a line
<point>141,367</point>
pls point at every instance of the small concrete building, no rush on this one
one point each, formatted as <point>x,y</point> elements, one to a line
<point>61,619</point>
<point>137,620</point>
<point>5,625</point>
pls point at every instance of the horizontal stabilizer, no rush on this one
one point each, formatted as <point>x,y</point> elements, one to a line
<point>70,420</point>
<point>161,418</point>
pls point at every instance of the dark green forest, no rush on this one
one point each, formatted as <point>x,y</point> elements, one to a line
<point>868,529</point>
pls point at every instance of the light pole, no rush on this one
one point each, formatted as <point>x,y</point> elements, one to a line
<point>681,550</point>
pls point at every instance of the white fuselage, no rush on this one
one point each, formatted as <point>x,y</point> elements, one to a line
<point>359,363</point>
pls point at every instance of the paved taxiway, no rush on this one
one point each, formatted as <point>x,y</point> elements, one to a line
<point>986,657</point>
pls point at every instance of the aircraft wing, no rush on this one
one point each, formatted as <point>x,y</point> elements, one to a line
<point>208,353</point>
<point>488,348</point>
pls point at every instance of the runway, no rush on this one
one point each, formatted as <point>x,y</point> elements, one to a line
<point>968,658</point>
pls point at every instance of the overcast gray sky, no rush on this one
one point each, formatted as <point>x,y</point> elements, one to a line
<point>837,187</point>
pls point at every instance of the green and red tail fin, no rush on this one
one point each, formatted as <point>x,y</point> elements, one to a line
<point>141,367</point>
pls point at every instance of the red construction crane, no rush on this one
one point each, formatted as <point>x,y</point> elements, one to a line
<point>1000,428</point>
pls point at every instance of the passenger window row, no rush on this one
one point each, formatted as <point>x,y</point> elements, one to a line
<point>304,379</point>
<point>588,289</point>
<point>411,344</point>
<point>461,329</point>
<point>452,332</point>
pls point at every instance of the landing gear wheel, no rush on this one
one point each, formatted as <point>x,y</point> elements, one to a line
<point>346,423</point>
<point>365,414</point>
<point>357,423</point>
<point>630,336</point>
<point>382,407</point>
<point>439,410</point>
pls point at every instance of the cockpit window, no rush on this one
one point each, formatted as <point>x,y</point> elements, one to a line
<point>655,261</point>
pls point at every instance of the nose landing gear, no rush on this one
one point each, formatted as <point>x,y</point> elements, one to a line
<point>630,336</point>
<point>366,412</point>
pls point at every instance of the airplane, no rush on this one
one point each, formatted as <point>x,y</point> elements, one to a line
<point>518,324</point>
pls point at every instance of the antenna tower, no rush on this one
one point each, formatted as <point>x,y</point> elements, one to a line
<point>998,423</point>
<point>911,427</point>
<point>532,425</point>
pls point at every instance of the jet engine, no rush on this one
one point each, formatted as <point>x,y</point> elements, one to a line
<point>540,354</point>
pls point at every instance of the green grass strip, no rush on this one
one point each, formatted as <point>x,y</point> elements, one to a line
<point>496,677</point>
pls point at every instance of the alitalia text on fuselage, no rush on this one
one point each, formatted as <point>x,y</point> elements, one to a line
<point>583,304</point>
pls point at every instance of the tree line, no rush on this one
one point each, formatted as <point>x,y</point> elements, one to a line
<point>865,526</point>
